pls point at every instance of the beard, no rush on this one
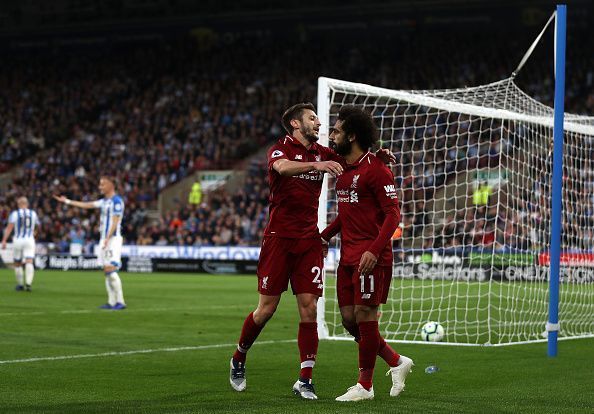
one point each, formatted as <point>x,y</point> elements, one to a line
<point>342,149</point>
<point>309,134</point>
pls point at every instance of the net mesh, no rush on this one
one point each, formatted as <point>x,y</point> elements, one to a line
<point>474,168</point>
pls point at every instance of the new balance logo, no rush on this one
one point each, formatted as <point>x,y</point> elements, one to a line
<point>366,296</point>
<point>298,157</point>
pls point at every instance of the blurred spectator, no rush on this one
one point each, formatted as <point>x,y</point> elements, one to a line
<point>152,115</point>
<point>195,196</point>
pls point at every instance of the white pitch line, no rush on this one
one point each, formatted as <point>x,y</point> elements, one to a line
<point>138,351</point>
<point>128,310</point>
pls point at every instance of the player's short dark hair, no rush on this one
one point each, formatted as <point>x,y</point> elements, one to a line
<point>356,121</point>
<point>111,178</point>
<point>295,112</point>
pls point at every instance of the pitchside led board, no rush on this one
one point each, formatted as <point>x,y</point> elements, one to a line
<point>426,265</point>
<point>481,266</point>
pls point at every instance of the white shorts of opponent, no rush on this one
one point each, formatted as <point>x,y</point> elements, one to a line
<point>112,255</point>
<point>23,249</point>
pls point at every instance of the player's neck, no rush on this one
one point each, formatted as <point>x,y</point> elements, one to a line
<point>110,194</point>
<point>304,141</point>
<point>354,155</point>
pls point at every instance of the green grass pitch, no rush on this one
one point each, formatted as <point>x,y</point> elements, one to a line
<point>169,353</point>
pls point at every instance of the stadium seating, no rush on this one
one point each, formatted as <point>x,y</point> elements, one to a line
<point>152,115</point>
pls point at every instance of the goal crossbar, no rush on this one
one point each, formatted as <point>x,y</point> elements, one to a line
<point>542,116</point>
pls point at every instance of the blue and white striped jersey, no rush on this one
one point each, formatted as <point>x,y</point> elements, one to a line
<point>110,207</point>
<point>24,220</point>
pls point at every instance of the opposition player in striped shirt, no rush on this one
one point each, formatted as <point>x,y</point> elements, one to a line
<point>110,243</point>
<point>23,222</point>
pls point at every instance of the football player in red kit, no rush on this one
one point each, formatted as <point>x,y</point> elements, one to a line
<point>291,249</point>
<point>368,215</point>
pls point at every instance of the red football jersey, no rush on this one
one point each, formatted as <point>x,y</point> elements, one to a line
<point>368,211</point>
<point>294,200</point>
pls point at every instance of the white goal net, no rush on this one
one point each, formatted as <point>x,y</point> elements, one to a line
<point>474,175</point>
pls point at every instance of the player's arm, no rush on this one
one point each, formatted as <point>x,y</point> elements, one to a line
<point>383,154</point>
<point>80,204</point>
<point>7,232</point>
<point>330,231</point>
<point>386,156</point>
<point>385,192</point>
<point>36,227</point>
<point>289,168</point>
<point>112,229</point>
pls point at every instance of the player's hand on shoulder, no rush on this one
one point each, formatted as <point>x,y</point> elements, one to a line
<point>367,263</point>
<point>331,167</point>
<point>386,156</point>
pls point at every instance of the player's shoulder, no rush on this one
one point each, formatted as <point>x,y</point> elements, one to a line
<point>373,160</point>
<point>326,152</point>
<point>117,199</point>
<point>281,148</point>
<point>376,165</point>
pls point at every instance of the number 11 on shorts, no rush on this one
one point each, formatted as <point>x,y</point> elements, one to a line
<point>371,283</point>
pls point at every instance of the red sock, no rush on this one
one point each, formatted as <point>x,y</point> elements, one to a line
<point>249,333</point>
<point>307,341</point>
<point>368,347</point>
<point>387,353</point>
<point>354,331</point>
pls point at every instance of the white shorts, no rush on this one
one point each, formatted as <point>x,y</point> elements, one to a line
<point>112,256</point>
<point>23,249</point>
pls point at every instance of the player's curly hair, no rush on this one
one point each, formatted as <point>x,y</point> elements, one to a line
<point>356,121</point>
<point>295,112</point>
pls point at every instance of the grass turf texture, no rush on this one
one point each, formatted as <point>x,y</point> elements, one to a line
<point>60,317</point>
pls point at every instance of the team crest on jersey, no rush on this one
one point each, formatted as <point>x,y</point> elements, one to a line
<point>265,282</point>
<point>117,207</point>
<point>276,153</point>
<point>355,179</point>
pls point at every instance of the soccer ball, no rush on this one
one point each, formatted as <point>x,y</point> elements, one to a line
<point>432,332</point>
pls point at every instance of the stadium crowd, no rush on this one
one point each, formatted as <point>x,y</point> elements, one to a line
<point>152,115</point>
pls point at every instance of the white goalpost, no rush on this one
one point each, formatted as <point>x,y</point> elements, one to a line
<point>474,172</point>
